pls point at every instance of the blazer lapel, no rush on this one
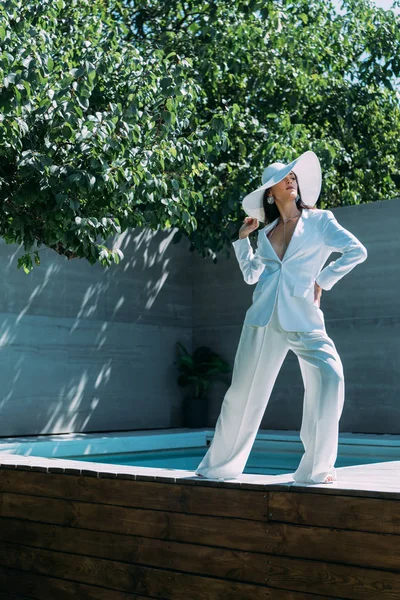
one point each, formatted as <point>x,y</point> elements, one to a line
<point>266,249</point>
<point>298,235</point>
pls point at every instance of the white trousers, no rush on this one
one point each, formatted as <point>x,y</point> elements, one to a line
<point>259,357</point>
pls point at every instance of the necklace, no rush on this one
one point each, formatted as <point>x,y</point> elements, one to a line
<point>284,221</point>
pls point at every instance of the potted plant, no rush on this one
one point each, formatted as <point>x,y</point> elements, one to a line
<point>196,371</point>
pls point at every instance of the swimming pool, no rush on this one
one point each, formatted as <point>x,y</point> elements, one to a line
<point>273,452</point>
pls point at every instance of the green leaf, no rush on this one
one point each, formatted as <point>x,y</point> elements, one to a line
<point>77,72</point>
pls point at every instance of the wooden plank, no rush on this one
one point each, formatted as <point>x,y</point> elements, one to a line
<point>201,529</point>
<point>255,553</point>
<point>196,499</point>
<point>253,536</point>
<point>350,583</point>
<point>49,588</point>
<point>190,558</point>
<point>123,577</point>
<point>342,512</point>
<point>298,575</point>
<point>379,551</point>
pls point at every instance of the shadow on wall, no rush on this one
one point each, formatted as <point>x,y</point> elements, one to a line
<point>90,348</point>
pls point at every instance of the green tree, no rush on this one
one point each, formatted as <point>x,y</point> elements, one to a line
<point>92,131</point>
<point>304,77</point>
<point>164,114</point>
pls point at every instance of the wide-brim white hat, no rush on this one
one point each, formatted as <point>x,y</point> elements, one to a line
<point>308,172</point>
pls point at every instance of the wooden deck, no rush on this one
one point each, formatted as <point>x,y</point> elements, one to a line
<point>87,531</point>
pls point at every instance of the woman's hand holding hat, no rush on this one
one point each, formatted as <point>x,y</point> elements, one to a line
<point>250,224</point>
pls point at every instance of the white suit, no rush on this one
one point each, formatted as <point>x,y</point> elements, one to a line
<point>282,317</point>
<point>290,282</point>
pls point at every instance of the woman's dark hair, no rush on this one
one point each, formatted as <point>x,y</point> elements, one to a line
<point>271,211</point>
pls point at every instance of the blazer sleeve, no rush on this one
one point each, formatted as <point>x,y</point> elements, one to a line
<point>339,239</point>
<point>249,261</point>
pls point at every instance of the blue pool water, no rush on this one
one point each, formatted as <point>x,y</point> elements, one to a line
<point>188,459</point>
<point>272,463</point>
<point>273,452</point>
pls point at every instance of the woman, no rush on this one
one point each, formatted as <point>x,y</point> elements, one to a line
<point>285,315</point>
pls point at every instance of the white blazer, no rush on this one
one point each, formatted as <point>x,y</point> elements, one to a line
<point>290,281</point>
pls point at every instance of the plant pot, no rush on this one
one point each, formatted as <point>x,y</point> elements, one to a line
<point>195,412</point>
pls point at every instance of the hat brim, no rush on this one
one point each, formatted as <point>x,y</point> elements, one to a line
<point>308,172</point>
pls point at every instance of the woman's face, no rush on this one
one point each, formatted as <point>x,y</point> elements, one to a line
<point>286,189</point>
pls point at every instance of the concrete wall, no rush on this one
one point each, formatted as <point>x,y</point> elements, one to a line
<point>87,348</point>
<point>362,316</point>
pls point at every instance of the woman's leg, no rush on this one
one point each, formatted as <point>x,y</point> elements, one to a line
<point>259,357</point>
<point>324,389</point>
